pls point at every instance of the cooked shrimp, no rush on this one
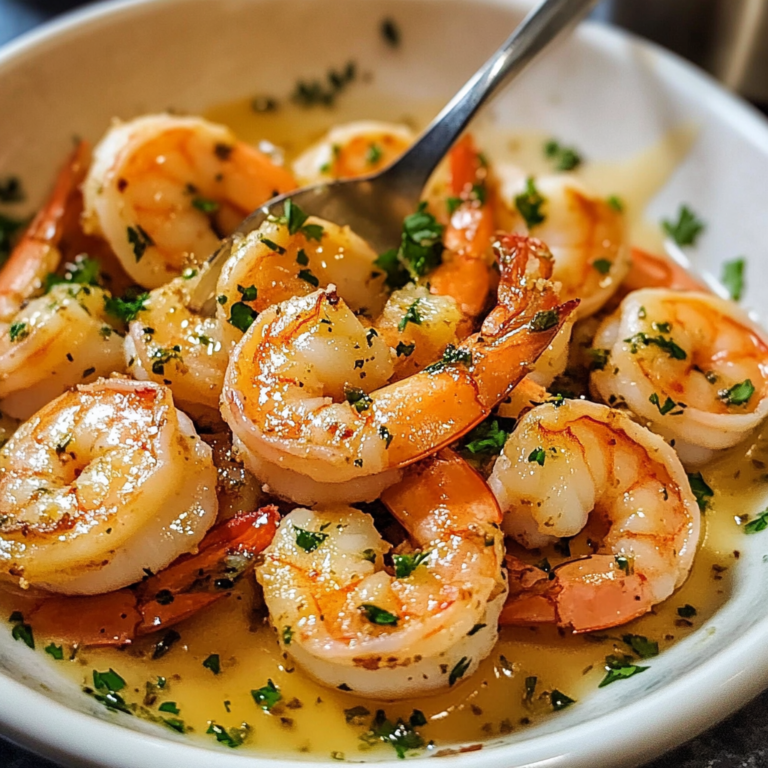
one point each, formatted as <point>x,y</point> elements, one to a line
<point>37,253</point>
<point>585,234</point>
<point>292,257</point>
<point>170,344</point>
<point>163,190</point>
<point>692,365</point>
<point>105,482</point>
<point>349,621</point>
<point>304,388</point>
<point>56,341</point>
<point>352,149</point>
<point>579,466</point>
<point>189,585</point>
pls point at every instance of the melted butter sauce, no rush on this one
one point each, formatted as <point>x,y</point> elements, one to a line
<point>316,721</point>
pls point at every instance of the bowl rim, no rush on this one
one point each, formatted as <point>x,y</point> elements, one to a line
<point>701,697</point>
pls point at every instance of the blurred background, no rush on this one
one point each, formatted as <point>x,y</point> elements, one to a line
<point>728,38</point>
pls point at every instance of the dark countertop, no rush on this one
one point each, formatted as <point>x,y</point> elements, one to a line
<point>741,741</point>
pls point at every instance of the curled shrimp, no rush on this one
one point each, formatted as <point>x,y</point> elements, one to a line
<point>190,584</point>
<point>163,190</point>
<point>292,257</point>
<point>170,344</point>
<point>103,483</point>
<point>586,235</point>
<point>352,149</point>
<point>304,390</point>
<point>694,366</point>
<point>580,466</point>
<point>346,619</point>
<point>52,342</point>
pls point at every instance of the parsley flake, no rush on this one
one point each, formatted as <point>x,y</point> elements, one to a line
<point>405,565</point>
<point>213,662</point>
<point>733,277</point>
<point>379,616</point>
<point>309,541</point>
<point>702,492</point>
<point>411,316</point>
<point>462,665</point>
<point>529,204</point>
<point>686,229</point>
<point>738,394</point>
<point>139,241</point>
<point>619,668</point>
<point>267,696</point>
<point>760,523</point>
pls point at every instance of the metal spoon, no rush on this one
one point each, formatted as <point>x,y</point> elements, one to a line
<point>374,206</point>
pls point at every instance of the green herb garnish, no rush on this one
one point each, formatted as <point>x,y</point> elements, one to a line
<point>529,204</point>
<point>686,229</point>
<point>405,565</point>
<point>619,668</point>
<point>379,616</point>
<point>733,277</point>
<point>309,541</point>
<point>267,696</point>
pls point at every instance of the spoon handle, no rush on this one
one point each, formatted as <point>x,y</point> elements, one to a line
<point>542,25</point>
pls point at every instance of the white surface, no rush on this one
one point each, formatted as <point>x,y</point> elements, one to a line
<point>606,93</point>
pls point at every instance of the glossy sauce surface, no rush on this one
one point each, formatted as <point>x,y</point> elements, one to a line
<point>501,697</point>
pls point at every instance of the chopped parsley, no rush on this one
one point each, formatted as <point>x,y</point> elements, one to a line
<point>738,394</point>
<point>232,738</point>
<point>537,455</point>
<point>529,204</point>
<point>701,490</point>
<point>213,662</point>
<point>267,696</point>
<point>599,358</point>
<point>623,563</point>
<point>107,685</point>
<point>170,707</point>
<point>249,293</point>
<point>401,736</point>
<point>544,320</point>
<point>358,399</point>
<point>664,408</point>
<point>126,307</point>
<point>313,93</point>
<point>296,221</point>
<point>565,158</point>
<point>760,523</point>
<point>390,32</point>
<point>55,651</point>
<point>462,665</point>
<point>404,350</point>
<point>530,687</point>
<point>84,271</point>
<point>302,258</point>
<point>405,565</point>
<point>205,205</point>
<point>139,241</point>
<point>615,202</point>
<point>307,276</point>
<point>18,331</point>
<point>385,435</point>
<point>560,701</point>
<point>487,438</point>
<point>642,646</point>
<point>452,355</point>
<point>686,229</point>
<point>242,316</point>
<point>272,245</point>
<point>309,541</point>
<point>733,277</point>
<point>411,316</point>
<point>421,249</point>
<point>374,154</point>
<point>603,266</point>
<point>21,630</point>
<point>619,668</point>
<point>686,611</point>
<point>675,351</point>
<point>379,616</point>
<point>287,635</point>
<point>453,204</point>
<point>162,356</point>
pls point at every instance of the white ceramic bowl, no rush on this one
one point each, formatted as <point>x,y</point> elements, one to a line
<point>607,93</point>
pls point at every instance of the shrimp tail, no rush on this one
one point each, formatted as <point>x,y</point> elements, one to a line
<point>651,271</point>
<point>584,595</point>
<point>190,584</point>
<point>37,251</point>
